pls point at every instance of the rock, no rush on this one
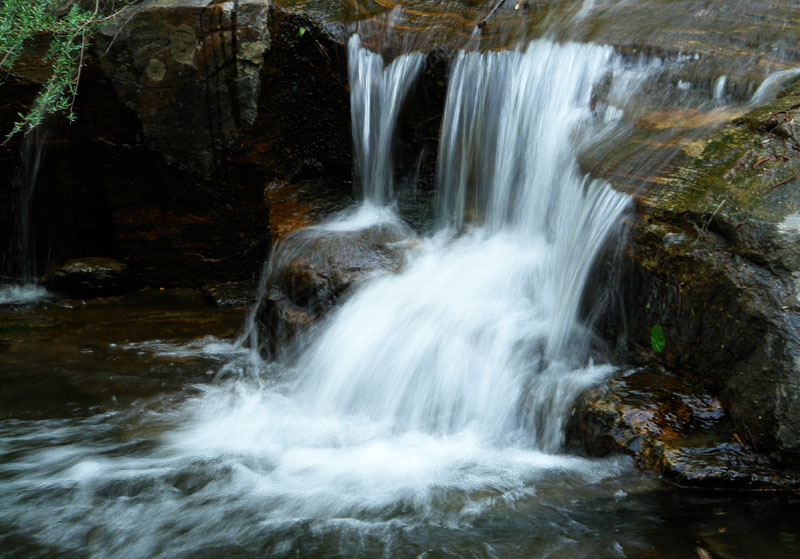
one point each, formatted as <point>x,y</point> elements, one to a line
<point>169,59</point>
<point>713,257</point>
<point>673,428</point>
<point>313,268</point>
<point>296,205</point>
<point>88,277</point>
<point>229,294</point>
<point>169,174</point>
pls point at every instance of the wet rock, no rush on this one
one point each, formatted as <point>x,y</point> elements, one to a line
<point>88,277</point>
<point>229,294</point>
<point>295,205</point>
<point>315,267</point>
<point>169,61</point>
<point>217,84</point>
<point>674,428</point>
<point>785,124</point>
<point>713,257</point>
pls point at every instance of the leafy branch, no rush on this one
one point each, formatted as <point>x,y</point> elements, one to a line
<point>70,32</point>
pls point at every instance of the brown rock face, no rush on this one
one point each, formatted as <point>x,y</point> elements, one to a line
<point>713,258</point>
<point>313,268</point>
<point>191,70</point>
<point>674,428</point>
<point>184,113</point>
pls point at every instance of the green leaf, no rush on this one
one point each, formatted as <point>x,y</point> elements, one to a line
<point>301,31</point>
<point>657,338</point>
<point>787,537</point>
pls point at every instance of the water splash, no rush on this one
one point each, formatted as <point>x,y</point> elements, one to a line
<point>22,294</point>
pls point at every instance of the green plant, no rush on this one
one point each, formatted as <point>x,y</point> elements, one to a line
<point>657,338</point>
<point>69,28</point>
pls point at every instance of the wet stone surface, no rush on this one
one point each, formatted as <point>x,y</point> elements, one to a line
<point>88,277</point>
<point>229,294</point>
<point>315,267</point>
<point>673,428</point>
<point>712,258</point>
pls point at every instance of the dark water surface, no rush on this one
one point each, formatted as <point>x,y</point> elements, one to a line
<point>106,450</point>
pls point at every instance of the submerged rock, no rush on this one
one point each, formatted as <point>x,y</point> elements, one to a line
<point>673,428</point>
<point>228,294</point>
<point>88,277</point>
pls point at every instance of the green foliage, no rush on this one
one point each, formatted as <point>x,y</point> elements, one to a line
<point>69,30</point>
<point>657,338</point>
<point>301,31</point>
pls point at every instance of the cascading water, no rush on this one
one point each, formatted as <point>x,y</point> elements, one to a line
<point>477,329</point>
<point>429,397</point>
<point>377,92</point>
<point>376,96</point>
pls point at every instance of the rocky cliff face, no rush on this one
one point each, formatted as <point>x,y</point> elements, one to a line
<point>186,110</point>
<point>712,257</point>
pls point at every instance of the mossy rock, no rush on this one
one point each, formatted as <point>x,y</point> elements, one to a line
<point>713,257</point>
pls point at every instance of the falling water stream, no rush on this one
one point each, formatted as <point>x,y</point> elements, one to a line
<point>18,272</point>
<point>424,417</point>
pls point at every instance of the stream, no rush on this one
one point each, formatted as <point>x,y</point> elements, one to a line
<point>128,430</point>
<point>423,416</point>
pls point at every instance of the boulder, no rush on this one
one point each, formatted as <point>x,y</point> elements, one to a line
<point>672,427</point>
<point>713,257</point>
<point>313,268</point>
<point>88,277</point>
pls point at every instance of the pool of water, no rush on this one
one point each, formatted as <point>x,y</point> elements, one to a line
<point>137,427</point>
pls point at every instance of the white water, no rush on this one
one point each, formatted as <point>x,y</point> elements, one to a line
<point>429,397</point>
<point>512,127</point>
<point>719,88</point>
<point>21,294</point>
<point>772,84</point>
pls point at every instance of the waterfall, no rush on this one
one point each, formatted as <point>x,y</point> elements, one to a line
<point>20,263</point>
<point>18,267</point>
<point>376,96</point>
<point>507,162</point>
<point>432,393</point>
<point>482,331</point>
<point>377,93</point>
<point>719,88</point>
